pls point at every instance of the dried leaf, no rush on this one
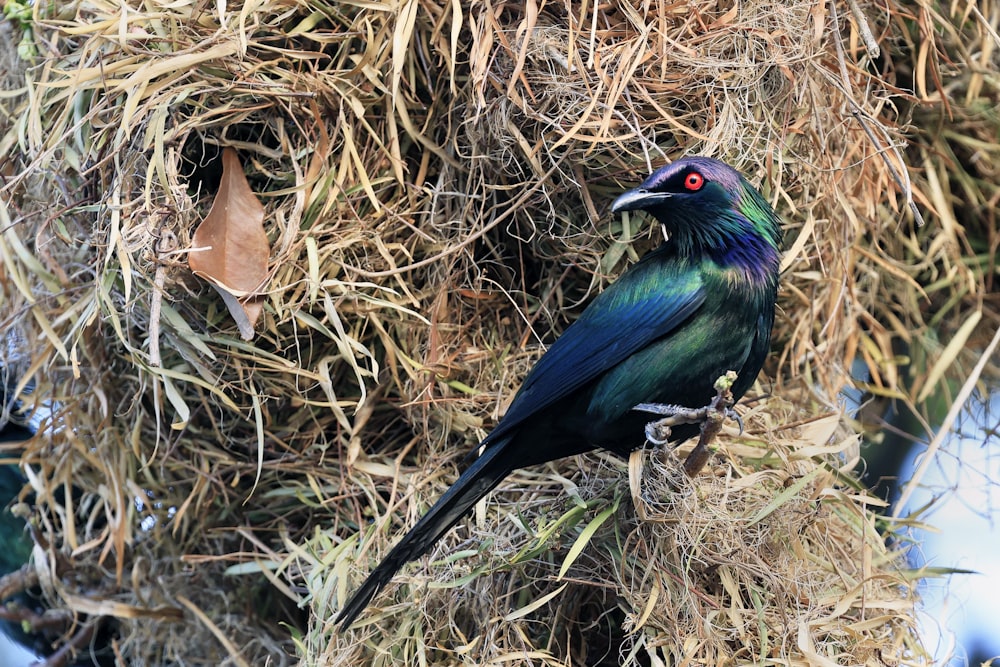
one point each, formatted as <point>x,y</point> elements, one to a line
<point>230,247</point>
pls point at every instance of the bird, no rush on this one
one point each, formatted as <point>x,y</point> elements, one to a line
<point>697,306</point>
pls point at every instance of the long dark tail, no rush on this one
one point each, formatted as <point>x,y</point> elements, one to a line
<point>481,478</point>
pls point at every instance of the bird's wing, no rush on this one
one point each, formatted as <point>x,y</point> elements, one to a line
<point>627,317</point>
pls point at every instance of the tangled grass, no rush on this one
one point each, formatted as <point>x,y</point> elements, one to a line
<point>436,181</point>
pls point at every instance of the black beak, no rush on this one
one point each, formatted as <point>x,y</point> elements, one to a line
<point>639,199</point>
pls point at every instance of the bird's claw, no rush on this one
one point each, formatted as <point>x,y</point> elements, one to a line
<point>710,417</point>
<point>735,416</point>
<point>658,433</point>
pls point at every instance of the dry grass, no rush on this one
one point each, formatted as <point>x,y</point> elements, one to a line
<point>770,557</point>
<point>436,181</point>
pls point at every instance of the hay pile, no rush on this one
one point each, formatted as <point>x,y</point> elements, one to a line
<point>435,179</point>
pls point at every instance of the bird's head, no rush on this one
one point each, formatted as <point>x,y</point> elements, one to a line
<point>709,209</point>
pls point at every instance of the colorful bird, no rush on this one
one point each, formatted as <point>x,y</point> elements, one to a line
<point>696,307</point>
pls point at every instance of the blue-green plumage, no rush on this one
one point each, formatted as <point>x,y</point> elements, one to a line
<point>698,306</point>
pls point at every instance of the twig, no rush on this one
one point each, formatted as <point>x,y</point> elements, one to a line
<point>945,429</point>
<point>17,581</point>
<point>866,32</point>
<point>68,651</point>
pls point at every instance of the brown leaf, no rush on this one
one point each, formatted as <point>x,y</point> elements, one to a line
<point>230,248</point>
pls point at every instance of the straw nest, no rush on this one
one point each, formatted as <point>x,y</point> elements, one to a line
<point>435,181</point>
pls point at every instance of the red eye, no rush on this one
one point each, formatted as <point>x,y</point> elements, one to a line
<point>694,181</point>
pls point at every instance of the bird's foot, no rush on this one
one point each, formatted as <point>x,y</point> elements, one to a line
<point>711,418</point>
<point>664,409</point>
<point>658,432</point>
